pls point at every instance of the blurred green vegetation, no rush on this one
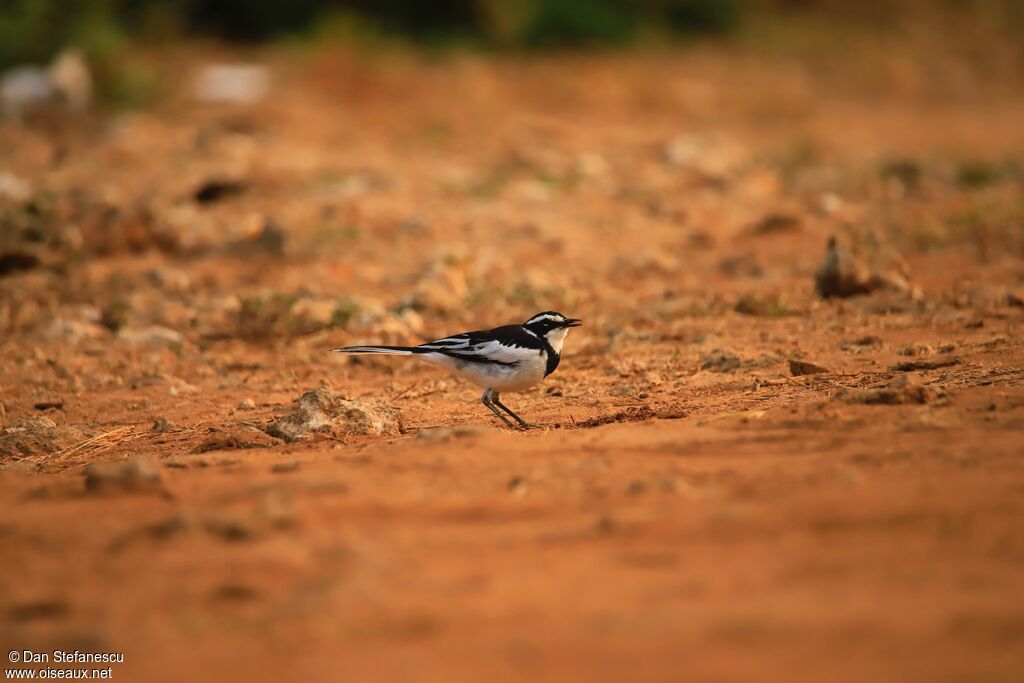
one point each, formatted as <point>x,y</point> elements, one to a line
<point>33,30</point>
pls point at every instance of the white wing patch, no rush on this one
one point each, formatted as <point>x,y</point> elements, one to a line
<point>448,344</point>
<point>496,352</point>
<point>489,351</point>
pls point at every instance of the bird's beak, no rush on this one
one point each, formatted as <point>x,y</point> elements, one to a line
<point>573,322</point>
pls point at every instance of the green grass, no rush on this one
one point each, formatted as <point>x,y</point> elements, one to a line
<point>980,174</point>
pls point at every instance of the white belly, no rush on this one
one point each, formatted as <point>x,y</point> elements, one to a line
<point>500,378</point>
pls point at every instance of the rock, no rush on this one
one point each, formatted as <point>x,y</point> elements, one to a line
<point>32,423</point>
<point>354,185</point>
<point>774,224</point>
<point>316,313</point>
<point>830,204</point>
<point>20,466</point>
<point>377,325</point>
<point>216,189</point>
<point>153,336</point>
<point>906,389</point>
<point>443,290</point>
<point>720,360</point>
<point>37,435</point>
<point>448,433</point>
<point>914,365</point>
<point>77,327</point>
<point>232,592</point>
<point>531,190</point>
<point>170,280</point>
<point>742,265</point>
<point>715,157</point>
<point>71,78</point>
<point>162,529</point>
<point>768,305</point>
<point>646,262</point>
<point>247,404</point>
<point>185,228</point>
<point>14,261</point>
<point>591,165</point>
<point>39,610</point>
<point>861,342</point>
<point>138,475</point>
<point>14,188</point>
<point>114,315</point>
<point>323,410</point>
<point>413,226</point>
<point>164,426</point>
<point>182,388</point>
<point>232,83</point>
<point>172,314</point>
<point>271,238</point>
<point>249,437</point>
<point>229,528</point>
<point>918,349</point>
<point>24,88</point>
<point>802,367</point>
<point>66,82</point>
<point>277,510</point>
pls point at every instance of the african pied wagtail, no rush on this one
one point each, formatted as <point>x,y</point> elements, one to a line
<point>506,358</point>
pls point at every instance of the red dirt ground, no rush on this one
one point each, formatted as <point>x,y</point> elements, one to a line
<point>665,520</point>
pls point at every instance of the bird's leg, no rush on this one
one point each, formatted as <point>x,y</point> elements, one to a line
<point>495,401</point>
<point>487,402</point>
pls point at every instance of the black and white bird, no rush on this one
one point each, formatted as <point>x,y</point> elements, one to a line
<point>504,359</point>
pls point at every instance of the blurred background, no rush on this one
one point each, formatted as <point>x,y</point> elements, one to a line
<point>353,170</point>
<point>35,30</point>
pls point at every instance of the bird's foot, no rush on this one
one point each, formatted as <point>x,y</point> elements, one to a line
<point>519,427</point>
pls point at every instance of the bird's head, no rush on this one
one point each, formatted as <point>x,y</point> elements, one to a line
<point>552,326</point>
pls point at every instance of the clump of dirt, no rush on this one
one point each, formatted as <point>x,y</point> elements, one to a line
<point>449,433</point>
<point>720,360</point>
<point>803,367</point>
<point>138,475</point>
<point>164,426</point>
<point>323,410</point>
<point>37,435</point>
<point>248,437</point>
<point>775,223</point>
<point>913,365</point>
<point>906,389</point>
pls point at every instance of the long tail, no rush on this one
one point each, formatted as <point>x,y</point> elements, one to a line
<point>385,350</point>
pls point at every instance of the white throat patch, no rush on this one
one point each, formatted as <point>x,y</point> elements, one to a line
<point>556,338</point>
